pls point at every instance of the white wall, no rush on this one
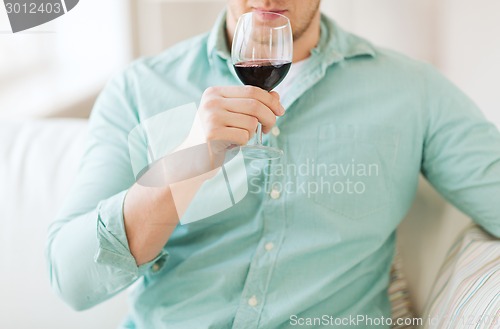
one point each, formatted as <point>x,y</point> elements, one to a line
<point>408,26</point>
<point>470,50</point>
<point>164,23</point>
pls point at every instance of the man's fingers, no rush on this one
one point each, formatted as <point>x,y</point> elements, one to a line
<point>242,121</point>
<point>269,99</point>
<point>232,113</point>
<point>251,107</point>
<point>234,135</point>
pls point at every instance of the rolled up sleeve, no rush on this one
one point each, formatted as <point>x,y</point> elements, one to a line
<point>113,249</point>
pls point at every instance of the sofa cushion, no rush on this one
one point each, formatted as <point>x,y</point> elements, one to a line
<point>38,161</point>
<point>466,293</point>
<point>401,308</point>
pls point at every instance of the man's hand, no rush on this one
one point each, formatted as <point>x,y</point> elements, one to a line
<point>232,113</point>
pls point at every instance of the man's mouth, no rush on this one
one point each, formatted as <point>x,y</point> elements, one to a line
<point>268,13</point>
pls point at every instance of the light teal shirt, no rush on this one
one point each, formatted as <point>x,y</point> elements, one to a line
<point>316,234</point>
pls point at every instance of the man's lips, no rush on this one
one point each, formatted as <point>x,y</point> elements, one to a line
<point>268,14</point>
<point>263,10</point>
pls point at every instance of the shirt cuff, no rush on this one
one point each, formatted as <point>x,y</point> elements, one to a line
<point>113,249</point>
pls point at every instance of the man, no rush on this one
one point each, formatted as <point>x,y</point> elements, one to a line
<point>363,121</point>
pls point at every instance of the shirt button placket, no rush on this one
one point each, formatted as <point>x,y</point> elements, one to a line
<point>262,265</point>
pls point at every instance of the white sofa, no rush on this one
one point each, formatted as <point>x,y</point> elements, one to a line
<point>38,160</point>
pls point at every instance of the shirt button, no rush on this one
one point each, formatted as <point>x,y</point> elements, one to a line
<point>252,301</point>
<point>158,265</point>
<point>269,246</point>
<point>155,267</point>
<point>275,131</point>
<point>275,194</point>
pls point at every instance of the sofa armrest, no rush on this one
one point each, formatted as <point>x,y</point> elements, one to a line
<point>466,293</point>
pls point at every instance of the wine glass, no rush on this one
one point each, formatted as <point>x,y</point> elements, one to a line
<point>262,53</point>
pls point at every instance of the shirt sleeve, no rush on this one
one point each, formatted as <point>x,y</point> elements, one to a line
<point>87,252</point>
<point>461,156</point>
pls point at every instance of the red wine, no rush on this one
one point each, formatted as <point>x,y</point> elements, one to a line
<point>262,74</point>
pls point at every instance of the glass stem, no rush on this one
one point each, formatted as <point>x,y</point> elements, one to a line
<point>258,135</point>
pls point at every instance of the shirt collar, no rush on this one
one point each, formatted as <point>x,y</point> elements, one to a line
<point>335,44</point>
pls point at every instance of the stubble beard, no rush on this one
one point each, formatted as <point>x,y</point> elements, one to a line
<point>297,35</point>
